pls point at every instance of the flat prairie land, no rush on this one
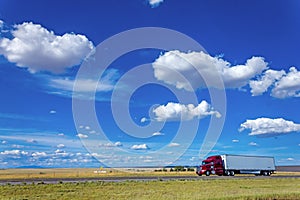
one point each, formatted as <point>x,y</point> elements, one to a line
<point>64,173</point>
<point>228,188</point>
<point>262,188</point>
<point>85,173</point>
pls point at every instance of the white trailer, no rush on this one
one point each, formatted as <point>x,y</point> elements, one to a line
<point>237,164</point>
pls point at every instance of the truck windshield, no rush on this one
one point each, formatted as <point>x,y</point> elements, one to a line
<point>205,163</point>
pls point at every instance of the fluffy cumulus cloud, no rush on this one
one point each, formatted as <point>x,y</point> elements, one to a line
<point>269,77</point>
<point>176,111</point>
<point>155,3</point>
<point>38,49</point>
<point>288,85</point>
<point>140,147</point>
<point>269,127</point>
<point>283,84</point>
<point>182,70</point>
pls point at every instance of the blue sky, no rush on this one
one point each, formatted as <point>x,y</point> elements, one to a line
<point>249,58</point>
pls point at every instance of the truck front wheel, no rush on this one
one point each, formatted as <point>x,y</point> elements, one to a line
<point>232,173</point>
<point>207,173</point>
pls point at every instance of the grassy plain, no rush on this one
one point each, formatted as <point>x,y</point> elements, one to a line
<point>261,188</point>
<point>90,173</point>
<point>265,188</point>
<point>82,173</point>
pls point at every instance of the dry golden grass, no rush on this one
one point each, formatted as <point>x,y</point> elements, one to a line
<point>89,173</point>
<point>81,173</point>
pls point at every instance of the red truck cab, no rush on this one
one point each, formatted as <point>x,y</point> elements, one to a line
<point>211,165</point>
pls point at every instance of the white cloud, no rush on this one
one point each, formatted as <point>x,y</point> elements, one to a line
<point>3,142</point>
<point>288,85</point>
<point>43,138</point>
<point>1,23</point>
<point>60,146</point>
<point>290,159</point>
<point>80,135</point>
<point>155,3</point>
<point>253,144</point>
<point>52,111</point>
<point>60,134</point>
<point>39,154</point>
<point>59,151</point>
<point>173,144</point>
<point>116,144</point>
<point>171,65</point>
<point>267,126</point>
<point>235,141</point>
<point>158,134</point>
<point>15,152</point>
<point>144,119</point>
<point>140,147</point>
<point>82,87</point>
<point>177,111</point>
<point>38,49</point>
<point>259,87</point>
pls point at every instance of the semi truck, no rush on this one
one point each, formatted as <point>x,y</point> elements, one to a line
<point>229,165</point>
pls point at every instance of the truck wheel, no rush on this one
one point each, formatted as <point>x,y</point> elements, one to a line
<point>232,173</point>
<point>265,173</point>
<point>207,173</point>
<point>227,173</point>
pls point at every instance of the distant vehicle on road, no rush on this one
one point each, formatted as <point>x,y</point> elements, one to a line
<point>229,165</point>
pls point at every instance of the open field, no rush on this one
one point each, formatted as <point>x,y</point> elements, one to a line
<point>159,188</point>
<point>264,188</point>
<point>74,173</point>
<point>83,173</point>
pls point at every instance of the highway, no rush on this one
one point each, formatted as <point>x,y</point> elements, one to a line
<point>133,178</point>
